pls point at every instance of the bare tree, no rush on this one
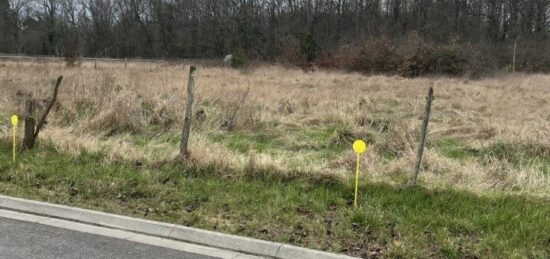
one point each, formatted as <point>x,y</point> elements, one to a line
<point>264,29</point>
<point>14,17</point>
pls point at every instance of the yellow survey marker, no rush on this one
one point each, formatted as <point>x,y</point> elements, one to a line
<point>14,121</point>
<point>359,147</point>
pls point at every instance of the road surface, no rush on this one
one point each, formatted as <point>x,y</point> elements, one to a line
<point>21,239</point>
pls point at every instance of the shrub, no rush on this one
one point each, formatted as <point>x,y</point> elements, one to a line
<point>290,51</point>
<point>339,58</point>
<point>375,56</point>
<point>416,56</point>
<point>447,61</point>
<point>533,57</point>
<point>72,56</point>
<point>410,57</point>
<point>450,59</point>
<point>309,48</point>
<point>240,59</point>
<point>481,59</point>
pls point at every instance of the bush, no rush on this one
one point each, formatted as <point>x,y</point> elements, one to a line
<point>533,57</point>
<point>421,58</point>
<point>339,58</point>
<point>290,51</point>
<point>450,60</point>
<point>411,57</point>
<point>309,48</point>
<point>482,59</point>
<point>416,56</point>
<point>240,59</point>
<point>375,56</point>
<point>71,55</point>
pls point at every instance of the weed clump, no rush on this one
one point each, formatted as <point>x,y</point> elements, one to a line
<point>157,114</point>
<point>123,115</point>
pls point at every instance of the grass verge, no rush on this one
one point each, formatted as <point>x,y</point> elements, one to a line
<point>392,221</point>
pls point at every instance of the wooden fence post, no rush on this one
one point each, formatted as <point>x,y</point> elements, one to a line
<point>420,151</point>
<point>184,152</point>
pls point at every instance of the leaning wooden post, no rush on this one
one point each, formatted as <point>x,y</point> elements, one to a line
<point>184,152</point>
<point>420,151</point>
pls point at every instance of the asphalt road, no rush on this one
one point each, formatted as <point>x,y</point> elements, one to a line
<point>21,239</point>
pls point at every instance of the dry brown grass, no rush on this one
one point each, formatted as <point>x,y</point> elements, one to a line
<point>105,109</point>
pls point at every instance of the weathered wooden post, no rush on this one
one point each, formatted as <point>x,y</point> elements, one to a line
<point>420,151</point>
<point>184,152</point>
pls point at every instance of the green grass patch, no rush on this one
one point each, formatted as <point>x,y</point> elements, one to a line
<point>392,221</point>
<point>519,155</point>
<point>318,142</point>
<point>141,141</point>
<point>455,149</point>
<point>244,142</point>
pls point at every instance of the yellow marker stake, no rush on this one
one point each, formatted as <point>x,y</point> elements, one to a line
<point>14,121</point>
<point>359,147</point>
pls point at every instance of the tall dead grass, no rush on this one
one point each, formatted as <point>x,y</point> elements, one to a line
<point>104,108</point>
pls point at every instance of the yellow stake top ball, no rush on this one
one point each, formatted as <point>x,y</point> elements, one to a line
<point>359,146</point>
<point>14,120</point>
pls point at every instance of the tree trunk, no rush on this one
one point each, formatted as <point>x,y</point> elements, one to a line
<point>32,129</point>
<point>30,122</point>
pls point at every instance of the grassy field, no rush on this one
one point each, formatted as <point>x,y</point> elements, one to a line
<point>283,173</point>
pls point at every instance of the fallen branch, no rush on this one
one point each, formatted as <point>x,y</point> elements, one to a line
<point>50,105</point>
<point>228,124</point>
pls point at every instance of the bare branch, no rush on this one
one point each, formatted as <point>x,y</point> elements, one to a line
<point>48,108</point>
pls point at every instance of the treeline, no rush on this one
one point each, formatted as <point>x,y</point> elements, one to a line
<point>477,33</point>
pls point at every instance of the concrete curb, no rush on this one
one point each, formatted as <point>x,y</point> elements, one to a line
<point>165,230</point>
